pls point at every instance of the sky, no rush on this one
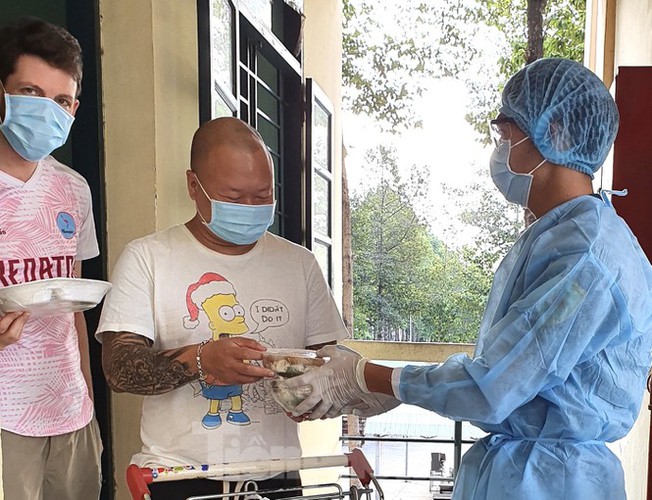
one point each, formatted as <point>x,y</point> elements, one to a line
<point>447,144</point>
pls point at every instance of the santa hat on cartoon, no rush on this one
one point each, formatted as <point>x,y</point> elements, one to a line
<point>209,284</point>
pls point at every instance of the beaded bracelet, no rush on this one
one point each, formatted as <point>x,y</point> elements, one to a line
<point>200,346</point>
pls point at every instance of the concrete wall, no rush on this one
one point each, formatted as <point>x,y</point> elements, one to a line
<point>323,63</point>
<point>633,33</point>
<point>149,70</point>
<point>149,83</point>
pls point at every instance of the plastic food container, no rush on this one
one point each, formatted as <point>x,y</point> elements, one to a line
<point>287,398</point>
<point>54,296</point>
<point>288,363</point>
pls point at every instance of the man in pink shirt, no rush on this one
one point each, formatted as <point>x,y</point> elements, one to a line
<point>50,440</point>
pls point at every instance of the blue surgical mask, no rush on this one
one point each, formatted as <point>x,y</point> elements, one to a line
<point>34,126</point>
<point>238,223</point>
<point>514,187</point>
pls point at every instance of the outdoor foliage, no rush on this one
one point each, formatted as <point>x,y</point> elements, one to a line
<point>498,223</point>
<point>389,54</point>
<point>388,57</point>
<point>563,36</point>
<point>407,285</point>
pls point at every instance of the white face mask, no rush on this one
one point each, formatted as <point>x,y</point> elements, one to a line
<point>514,187</point>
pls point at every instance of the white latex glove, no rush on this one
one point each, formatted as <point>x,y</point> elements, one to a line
<point>370,405</point>
<point>334,385</point>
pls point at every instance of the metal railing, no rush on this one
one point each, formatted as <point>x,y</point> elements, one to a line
<point>424,352</point>
<point>457,443</point>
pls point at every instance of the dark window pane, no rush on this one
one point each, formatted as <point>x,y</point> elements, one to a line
<point>276,161</point>
<point>268,103</point>
<point>262,73</point>
<point>267,73</point>
<point>244,84</point>
<point>270,133</point>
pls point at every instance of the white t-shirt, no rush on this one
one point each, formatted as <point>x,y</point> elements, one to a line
<point>165,287</point>
<point>46,225</point>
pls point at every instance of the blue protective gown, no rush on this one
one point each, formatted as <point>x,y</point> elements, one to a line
<point>560,363</point>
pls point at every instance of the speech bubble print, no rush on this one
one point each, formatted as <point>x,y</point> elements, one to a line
<point>269,313</point>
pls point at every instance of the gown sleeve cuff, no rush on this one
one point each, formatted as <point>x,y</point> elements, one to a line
<point>396,380</point>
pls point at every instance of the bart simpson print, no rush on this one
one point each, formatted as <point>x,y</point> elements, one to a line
<point>216,297</point>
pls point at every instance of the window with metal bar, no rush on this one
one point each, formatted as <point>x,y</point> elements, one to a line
<point>246,70</point>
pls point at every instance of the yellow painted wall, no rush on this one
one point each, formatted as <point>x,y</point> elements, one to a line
<point>633,33</point>
<point>128,109</point>
<point>149,84</point>
<point>323,63</point>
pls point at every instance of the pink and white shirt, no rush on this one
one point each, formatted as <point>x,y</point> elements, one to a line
<point>46,225</point>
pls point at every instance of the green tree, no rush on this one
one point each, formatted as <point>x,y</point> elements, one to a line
<point>391,49</point>
<point>559,33</point>
<point>498,222</point>
<point>406,284</point>
<point>390,245</point>
<point>457,297</point>
<point>404,279</point>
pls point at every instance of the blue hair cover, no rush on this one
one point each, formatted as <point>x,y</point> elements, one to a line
<point>566,110</point>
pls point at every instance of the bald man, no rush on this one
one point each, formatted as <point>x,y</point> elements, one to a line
<point>193,308</point>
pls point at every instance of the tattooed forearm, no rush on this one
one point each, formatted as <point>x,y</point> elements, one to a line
<point>131,365</point>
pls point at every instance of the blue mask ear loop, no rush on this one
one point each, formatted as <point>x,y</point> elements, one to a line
<point>605,192</point>
<point>3,101</point>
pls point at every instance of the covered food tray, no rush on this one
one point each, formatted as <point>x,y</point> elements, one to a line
<point>290,362</point>
<point>54,296</point>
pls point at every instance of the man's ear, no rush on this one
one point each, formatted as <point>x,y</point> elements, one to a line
<point>75,105</point>
<point>2,102</point>
<point>191,184</point>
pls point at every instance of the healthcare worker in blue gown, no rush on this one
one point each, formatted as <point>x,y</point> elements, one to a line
<point>564,346</point>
